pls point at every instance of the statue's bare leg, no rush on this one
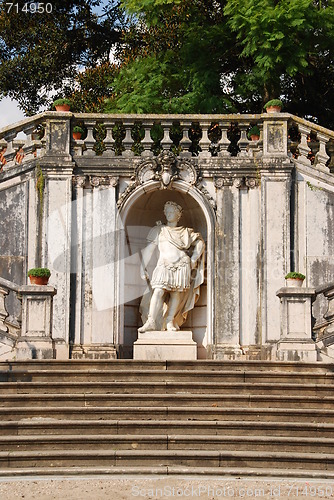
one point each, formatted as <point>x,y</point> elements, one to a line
<point>156,305</point>
<point>173,304</point>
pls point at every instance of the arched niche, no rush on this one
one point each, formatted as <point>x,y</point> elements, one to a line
<point>139,214</point>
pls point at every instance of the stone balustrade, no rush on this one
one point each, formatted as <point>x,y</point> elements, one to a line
<point>127,136</point>
<point>325,330</point>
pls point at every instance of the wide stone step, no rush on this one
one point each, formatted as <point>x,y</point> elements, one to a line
<point>134,400</point>
<point>167,442</point>
<point>45,426</point>
<point>198,472</point>
<point>129,365</point>
<point>168,413</point>
<point>123,387</point>
<point>157,375</point>
<point>156,458</point>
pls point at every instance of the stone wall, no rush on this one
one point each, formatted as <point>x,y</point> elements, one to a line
<point>263,210</point>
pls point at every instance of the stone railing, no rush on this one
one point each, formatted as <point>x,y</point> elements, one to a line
<point>324,331</point>
<point>146,135</point>
<point>5,288</point>
<point>33,336</point>
<point>311,144</point>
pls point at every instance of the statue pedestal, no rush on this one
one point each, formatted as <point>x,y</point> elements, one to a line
<point>165,345</point>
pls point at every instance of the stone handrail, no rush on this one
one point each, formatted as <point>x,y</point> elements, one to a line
<point>311,144</point>
<point>326,329</point>
<point>126,136</point>
<point>5,287</point>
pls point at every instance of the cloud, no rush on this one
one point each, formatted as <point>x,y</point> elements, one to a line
<point>9,112</point>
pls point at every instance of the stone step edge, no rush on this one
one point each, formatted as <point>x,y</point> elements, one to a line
<point>162,471</point>
<point>166,409</point>
<point>293,440</point>
<point>166,384</point>
<point>167,363</point>
<point>159,454</point>
<point>51,422</point>
<point>147,398</point>
<point>170,372</point>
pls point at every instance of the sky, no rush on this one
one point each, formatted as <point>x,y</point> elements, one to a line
<point>9,112</point>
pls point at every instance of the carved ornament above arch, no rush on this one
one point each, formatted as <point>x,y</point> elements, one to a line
<point>165,169</point>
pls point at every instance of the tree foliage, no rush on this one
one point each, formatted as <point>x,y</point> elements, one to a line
<point>44,51</point>
<point>227,55</point>
<point>178,56</point>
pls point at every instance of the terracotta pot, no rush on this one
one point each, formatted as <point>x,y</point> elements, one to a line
<point>273,109</point>
<point>295,282</point>
<point>62,107</point>
<point>76,136</point>
<point>39,280</point>
<point>255,137</point>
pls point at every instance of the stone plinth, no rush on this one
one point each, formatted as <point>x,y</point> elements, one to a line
<point>165,345</point>
<point>296,342</point>
<point>36,341</point>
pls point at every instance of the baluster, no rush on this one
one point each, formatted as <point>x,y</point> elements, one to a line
<point>41,145</point>
<point>166,141</point>
<point>128,140</point>
<point>3,310</point>
<point>3,147</point>
<point>303,147</point>
<point>29,148</point>
<point>329,314</point>
<point>89,141</point>
<point>322,157</point>
<point>224,142</point>
<point>10,151</point>
<point>243,141</point>
<point>185,142</point>
<point>109,141</point>
<point>205,142</point>
<point>147,141</point>
<point>330,149</point>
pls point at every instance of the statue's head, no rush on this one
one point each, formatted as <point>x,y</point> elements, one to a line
<point>171,205</point>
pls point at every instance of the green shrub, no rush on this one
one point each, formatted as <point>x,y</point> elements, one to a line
<point>296,276</point>
<point>273,102</point>
<point>253,131</point>
<point>60,102</point>
<point>40,272</point>
<point>78,130</point>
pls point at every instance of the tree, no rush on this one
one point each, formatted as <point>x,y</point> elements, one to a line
<point>44,51</point>
<point>226,55</point>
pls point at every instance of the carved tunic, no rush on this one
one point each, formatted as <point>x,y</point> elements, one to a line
<point>173,270</point>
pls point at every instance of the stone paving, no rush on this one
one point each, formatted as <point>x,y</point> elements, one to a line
<point>120,488</point>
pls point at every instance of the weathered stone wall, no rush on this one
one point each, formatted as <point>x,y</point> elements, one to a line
<point>14,199</point>
<point>262,213</point>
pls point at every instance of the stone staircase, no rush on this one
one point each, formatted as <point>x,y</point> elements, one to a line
<point>205,417</point>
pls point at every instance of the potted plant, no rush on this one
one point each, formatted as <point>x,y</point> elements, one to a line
<point>77,132</point>
<point>254,133</point>
<point>273,106</point>
<point>62,104</point>
<point>39,275</point>
<point>294,279</point>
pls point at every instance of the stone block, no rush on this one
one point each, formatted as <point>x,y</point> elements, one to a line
<point>165,345</point>
<point>296,342</point>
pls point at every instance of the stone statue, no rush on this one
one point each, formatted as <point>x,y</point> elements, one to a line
<point>176,280</point>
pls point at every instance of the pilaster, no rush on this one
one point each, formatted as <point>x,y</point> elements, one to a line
<point>275,255</point>
<point>227,341</point>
